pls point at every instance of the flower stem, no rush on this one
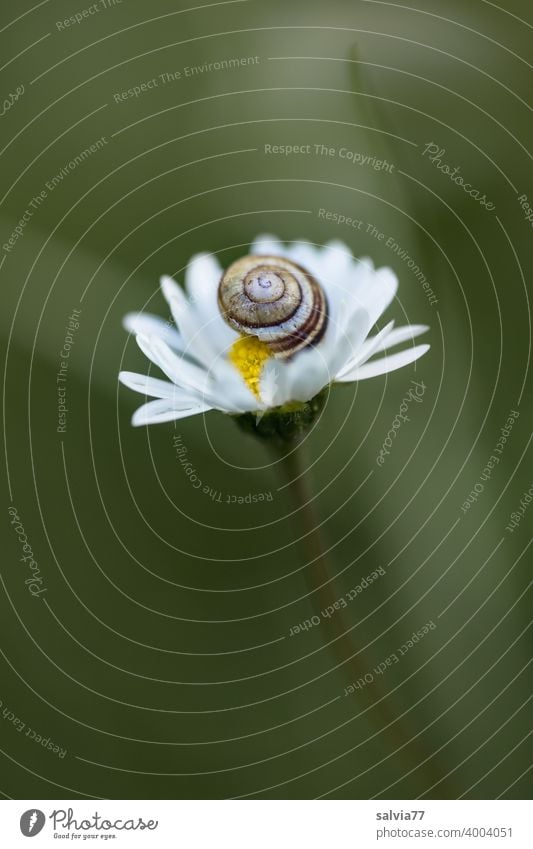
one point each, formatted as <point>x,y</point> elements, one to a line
<point>319,576</point>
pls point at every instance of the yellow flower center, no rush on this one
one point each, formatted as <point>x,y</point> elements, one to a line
<point>249,354</point>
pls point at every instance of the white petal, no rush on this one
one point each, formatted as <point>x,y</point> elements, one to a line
<point>333,264</point>
<point>300,379</point>
<point>307,374</point>
<point>152,386</point>
<point>309,371</point>
<point>272,384</point>
<point>232,393</point>
<point>223,388</point>
<point>155,412</point>
<point>365,292</point>
<point>208,335</point>
<point>349,341</point>
<point>149,325</point>
<point>222,335</point>
<point>177,369</point>
<point>379,343</point>
<point>147,385</point>
<point>367,263</point>
<point>367,349</point>
<point>349,293</point>
<point>174,294</point>
<point>202,277</point>
<point>379,293</point>
<point>385,364</point>
<point>266,244</point>
<point>400,334</point>
<point>195,338</point>
<point>305,254</point>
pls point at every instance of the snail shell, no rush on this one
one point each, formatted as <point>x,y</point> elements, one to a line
<point>275,300</point>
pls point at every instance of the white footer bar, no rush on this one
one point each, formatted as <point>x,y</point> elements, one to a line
<point>268,824</point>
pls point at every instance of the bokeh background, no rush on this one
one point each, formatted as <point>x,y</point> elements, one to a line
<point>159,660</point>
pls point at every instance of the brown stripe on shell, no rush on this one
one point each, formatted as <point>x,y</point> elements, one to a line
<point>306,336</point>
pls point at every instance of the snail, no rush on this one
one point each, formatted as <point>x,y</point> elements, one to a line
<point>275,300</point>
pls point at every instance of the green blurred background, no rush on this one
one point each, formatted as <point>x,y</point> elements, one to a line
<point>159,657</point>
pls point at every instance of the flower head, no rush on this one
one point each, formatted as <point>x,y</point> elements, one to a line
<point>270,333</point>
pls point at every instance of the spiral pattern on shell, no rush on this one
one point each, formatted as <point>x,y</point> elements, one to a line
<point>275,300</point>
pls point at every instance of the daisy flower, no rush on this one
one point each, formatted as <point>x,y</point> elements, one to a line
<point>269,334</point>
